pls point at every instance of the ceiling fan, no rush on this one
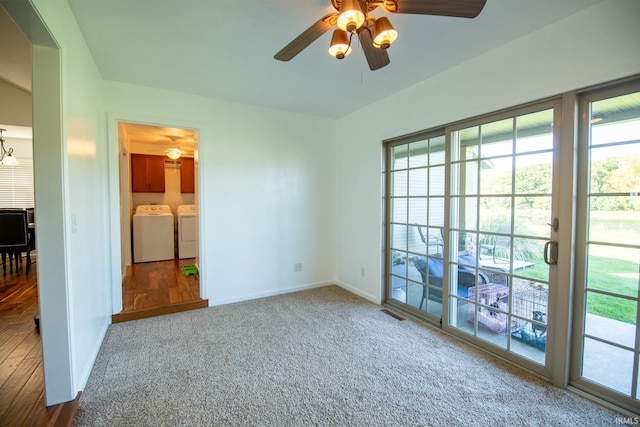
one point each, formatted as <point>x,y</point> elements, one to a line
<point>375,34</point>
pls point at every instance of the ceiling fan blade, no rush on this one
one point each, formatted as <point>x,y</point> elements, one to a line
<point>298,44</point>
<point>376,57</point>
<point>455,8</point>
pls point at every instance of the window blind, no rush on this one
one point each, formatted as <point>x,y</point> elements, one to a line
<point>17,185</point>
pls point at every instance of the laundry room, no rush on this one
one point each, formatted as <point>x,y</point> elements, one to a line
<point>158,190</point>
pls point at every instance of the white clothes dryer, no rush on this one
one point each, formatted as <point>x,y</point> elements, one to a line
<point>187,231</point>
<point>153,238</point>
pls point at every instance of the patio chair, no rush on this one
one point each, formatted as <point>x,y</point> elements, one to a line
<point>501,243</point>
<point>431,240</point>
<point>435,266</point>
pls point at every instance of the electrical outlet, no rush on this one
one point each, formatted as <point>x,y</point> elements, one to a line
<point>362,271</point>
<point>297,267</point>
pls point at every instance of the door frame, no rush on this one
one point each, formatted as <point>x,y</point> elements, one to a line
<point>119,200</point>
<point>556,367</point>
<point>583,100</point>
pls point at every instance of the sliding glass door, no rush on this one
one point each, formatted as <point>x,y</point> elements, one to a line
<point>470,231</point>
<point>501,215</point>
<point>416,188</point>
<point>485,238</point>
<point>606,345</point>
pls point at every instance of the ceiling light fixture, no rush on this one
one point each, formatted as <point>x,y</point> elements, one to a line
<point>173,153</point>
<point>385,33</point>
<point>351,16</point>
<point>375,34</point>
<point>380,35</point>
<point>340,44</point>
<point>6,156</point>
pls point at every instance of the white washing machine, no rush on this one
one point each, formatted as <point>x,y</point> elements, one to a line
<point>153,233</point>
<point>187,231</point>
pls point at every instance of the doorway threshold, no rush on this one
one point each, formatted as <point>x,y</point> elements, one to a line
<point>127,316</point>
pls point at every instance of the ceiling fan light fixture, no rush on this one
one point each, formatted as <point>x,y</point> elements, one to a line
<point>351,16</point>
<point>173,153</point>
<point>339,47</point>
<point>385,34</point>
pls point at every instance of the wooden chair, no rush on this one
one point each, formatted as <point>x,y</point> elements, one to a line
<point>14,238</point>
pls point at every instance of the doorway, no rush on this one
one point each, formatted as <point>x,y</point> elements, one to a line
<point>470,206</point>
<point>158,185</point>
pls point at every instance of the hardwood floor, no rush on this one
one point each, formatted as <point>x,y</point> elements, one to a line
<point>150,289</point>
<point>21,376</point>
<point>158,287</point>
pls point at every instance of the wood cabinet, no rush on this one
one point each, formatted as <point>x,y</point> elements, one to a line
<point>187,175</point>
<point>147,173</point>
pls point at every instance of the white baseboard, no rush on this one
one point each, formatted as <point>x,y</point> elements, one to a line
<point>84,377</point>
<point>213,303</point>
<point>373,298</point>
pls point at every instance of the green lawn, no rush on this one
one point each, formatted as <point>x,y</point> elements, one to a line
<point>606,274</point>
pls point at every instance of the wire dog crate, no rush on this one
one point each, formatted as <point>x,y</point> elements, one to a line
<point>530,304</point>
<point>528,309</point>
<point>493,295</point>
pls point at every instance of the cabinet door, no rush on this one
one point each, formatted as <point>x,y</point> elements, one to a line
<point>147,174</point>
<point>155,174</point>
<point>138,173</point>
<point>187,176</point>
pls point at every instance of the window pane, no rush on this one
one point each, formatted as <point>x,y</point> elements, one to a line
<point>533,173</point>
<point>533,216</point>
<point>436,155</point>
<point>470,138</point>
<point>613,269</point>
<point>418,182</point>
<point>467,209</point>
<point>497,139</point>
<point>465,175</point>
<point>399,183</point>
<point>418,210</point>
<point>606,131</point>
<point>399,155</point>
<point>399,210</point>
<point>611,319</point>
<point>495,176</point>
<point>17,184</point>
<point>534,131</point>
<point>597,355</point>
<point>436,211</point>
<point>616,169</point>
<point>399,237</point>
<point>495,213</point>
<point>612,220</point>
<point>418,153</point>
<point>436,181</point>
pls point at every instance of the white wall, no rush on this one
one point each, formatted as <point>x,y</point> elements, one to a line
<point>72,174</point>
<point>594,46</point>
<point>266,190</point>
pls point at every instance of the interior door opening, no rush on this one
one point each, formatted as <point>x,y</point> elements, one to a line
<point>159,215</point>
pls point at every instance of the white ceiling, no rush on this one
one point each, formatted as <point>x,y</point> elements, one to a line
<point>224,48</point>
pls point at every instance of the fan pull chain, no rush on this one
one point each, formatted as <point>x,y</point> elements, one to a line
<point>361,68</point>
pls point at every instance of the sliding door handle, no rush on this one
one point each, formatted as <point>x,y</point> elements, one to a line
<point>551,253</point>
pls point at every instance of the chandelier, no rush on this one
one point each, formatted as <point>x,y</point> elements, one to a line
<point>6,156</point>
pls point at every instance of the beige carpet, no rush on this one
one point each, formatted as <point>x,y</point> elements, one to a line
<point>322,357</point>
